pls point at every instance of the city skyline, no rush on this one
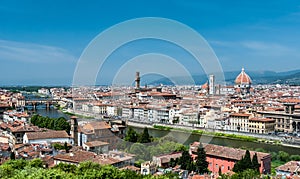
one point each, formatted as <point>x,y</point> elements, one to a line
<point>41,42</point>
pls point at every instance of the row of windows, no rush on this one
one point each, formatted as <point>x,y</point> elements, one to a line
<point>254,126</point>
<point>256,131</point>
<point>217,166</point>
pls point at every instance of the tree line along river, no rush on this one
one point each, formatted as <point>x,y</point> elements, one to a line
<point>188,138</point>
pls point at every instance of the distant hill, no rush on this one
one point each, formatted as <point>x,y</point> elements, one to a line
<point>292,79</point>
<point>258,77</point>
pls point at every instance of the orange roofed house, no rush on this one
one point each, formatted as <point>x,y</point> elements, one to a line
<point>96,131</point>
<point>47,137</point>
<point>116,158</point>
<point>225,157</point>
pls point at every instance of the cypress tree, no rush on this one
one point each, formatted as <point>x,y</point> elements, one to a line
<point>238,165</point>
<point>131,135</point>
<point>201,163</point>
<point>185,161</point>
<point>247,160</point>
<point>255,164</point>
<point>244,164</point>
<point>145,137</point>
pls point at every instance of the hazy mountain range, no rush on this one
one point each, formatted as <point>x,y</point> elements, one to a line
<point>258,77</point>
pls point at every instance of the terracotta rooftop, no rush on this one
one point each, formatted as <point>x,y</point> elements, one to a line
<point>105,161</point>
<point>292,166</point>
<point>96,125</point>
<point>167,157</point>
<point>243,78</point>
<point>47,135</point>
<point>96,143</point>
<point>240,115</point>
<point>76,157</point>
<point>262,119</point>
<point>227,152</point>
<point>25,128</point>
<point>112,158</point>
<point>205,86</point>
<point>48,160</point>
<point>132,168</point>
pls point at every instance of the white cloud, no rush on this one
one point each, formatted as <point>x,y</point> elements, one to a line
<point>270,50</point>
<point>33,53</point>
<point>257,45</point>
<point>221,43</point>
<point>257,55</point>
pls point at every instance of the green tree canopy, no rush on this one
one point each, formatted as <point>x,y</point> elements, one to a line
<point>51,123</point>
<point>144,137</point>
<point>246,163</point>
<point>201,164</point>
<point>31,169</point>
<point>140,150</point>
<point>131,135</point>
<point>255,164</point>
<point>186,162</point>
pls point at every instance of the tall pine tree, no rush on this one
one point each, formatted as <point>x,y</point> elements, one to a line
<point>185,161</point>
<point>201,164</point>
<point>131,135</point>
<point>144,137</point>
<point>255,164</point>
<point>243,164</point>
<point>247,160</point>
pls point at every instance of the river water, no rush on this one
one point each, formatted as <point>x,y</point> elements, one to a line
<point>187,138</point>
<point>52,113</point>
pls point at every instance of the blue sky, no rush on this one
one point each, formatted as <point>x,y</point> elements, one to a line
<point>41,41</point>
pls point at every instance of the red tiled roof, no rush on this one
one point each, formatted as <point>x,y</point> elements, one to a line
<point>289,166</point>
<point>243,78</point>
<point>227,152</point>
<point>47,135</point>
<point>25,128</point>
<point>205,86</point>
<point>240,115</point>
<point>96,143</point>
<point>96,125</point>
<point>76,157</point>
<point>105,161</point>
<point>262,119</point>
<point>132,168</point>
<point>167,157</point>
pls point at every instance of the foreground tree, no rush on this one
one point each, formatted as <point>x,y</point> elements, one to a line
<point>186,161</point>
<point>36,163</point>
<point>246,174</point>
<point>255,164</point>
<point>201,164</point>
<point>246,163</point>
<point>51,123</point>
<point>144,137</point>
<point>131,135</point>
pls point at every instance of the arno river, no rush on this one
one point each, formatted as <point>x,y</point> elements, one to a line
<point>187,138</point>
